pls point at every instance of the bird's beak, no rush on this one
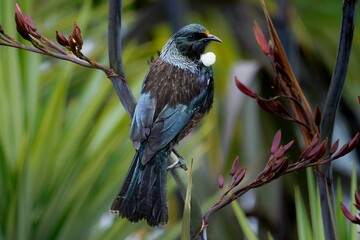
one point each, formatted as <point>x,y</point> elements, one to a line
<point>211,37</point>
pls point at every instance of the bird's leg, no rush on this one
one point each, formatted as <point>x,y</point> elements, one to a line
<point>179,163</point>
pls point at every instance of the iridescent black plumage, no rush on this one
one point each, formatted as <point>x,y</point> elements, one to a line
<point>177,92</point>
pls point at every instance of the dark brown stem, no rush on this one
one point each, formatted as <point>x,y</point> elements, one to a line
<point>331,105</point>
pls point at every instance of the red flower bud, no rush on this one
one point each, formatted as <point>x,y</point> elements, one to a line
<point>29,23</point>
<point>72,44</point>
<point>283,149</point>
<point>320,152</point>
<point>77,36</point>
<point>21,24</point>
<point>343,151</point>
<point>234,166</point>
<point>260,38</point>
<point>334,147</point>
<point>61,39</point>
<point>354,142</point>
<point>244,89</point>
<point>280,166</point>
<point>239,176</point>
<point>276,142</point>
<point>221,181</point>
<point>348,147</point>
<point>316,149</point>
<point>348,214</point>
<point>314,140</point>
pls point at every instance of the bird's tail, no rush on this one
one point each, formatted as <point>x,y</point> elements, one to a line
<point>143,193</point>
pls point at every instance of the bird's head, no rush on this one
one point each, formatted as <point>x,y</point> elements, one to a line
<point>192,40</point>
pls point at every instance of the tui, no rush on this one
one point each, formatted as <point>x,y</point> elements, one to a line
<point>177,92</point>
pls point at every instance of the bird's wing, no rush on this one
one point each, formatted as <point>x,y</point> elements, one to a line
<point>143,118</point>
<point>169,123</point>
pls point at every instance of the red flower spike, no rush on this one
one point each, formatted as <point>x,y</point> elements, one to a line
<point>244,89</point>
<point>348,214</point>
<point>21,25</point>
<point>221,181</point>
<point>61,39</point>
<point>260,38</point>
<point>276,142</point>
<point>239,176</point>
<point>318,117</point>
<point>334,147</point>
<point>234,166</point>
<point>357,200</point>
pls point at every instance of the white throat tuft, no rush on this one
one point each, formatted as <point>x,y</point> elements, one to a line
<point>171,54</point>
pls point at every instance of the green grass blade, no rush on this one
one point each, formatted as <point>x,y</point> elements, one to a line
<point>302,221</point>
<point>185,229</point>
<point>243,221</point>
<point>342,222</point>
<point>315,210</point>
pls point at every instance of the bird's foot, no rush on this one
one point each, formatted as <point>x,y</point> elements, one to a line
<point>179,163</point>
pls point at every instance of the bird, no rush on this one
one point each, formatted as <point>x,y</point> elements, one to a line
<point>176,93</point>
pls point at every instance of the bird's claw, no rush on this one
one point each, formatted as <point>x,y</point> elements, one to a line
<point>179,163</point>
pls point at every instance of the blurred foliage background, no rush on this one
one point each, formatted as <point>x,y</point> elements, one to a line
<point>64,147</point>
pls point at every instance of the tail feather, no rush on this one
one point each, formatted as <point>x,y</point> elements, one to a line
<point>143,193</point>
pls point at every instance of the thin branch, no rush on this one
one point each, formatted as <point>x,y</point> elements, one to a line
<point>115,58</point>
<point>85,61</point>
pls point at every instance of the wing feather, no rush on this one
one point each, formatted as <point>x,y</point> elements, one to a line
<point>143,119</point>
<point>169,123</point>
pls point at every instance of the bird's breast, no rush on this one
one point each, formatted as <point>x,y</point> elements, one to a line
<point>171,85</point>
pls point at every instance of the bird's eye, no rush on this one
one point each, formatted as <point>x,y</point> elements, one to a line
<point>191,37</point>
